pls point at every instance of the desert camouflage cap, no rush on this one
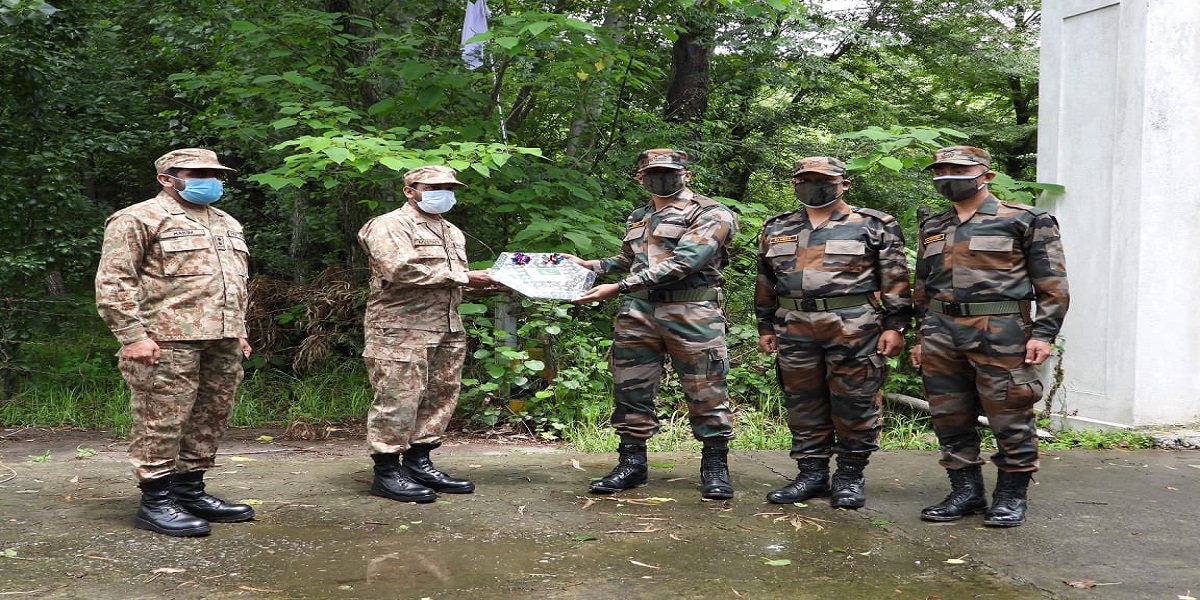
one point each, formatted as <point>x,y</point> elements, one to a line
<point>662,158</point>
<point>189,158</point>
<point>431,174</point>
<point>961,155</point>
<point>820,164</point>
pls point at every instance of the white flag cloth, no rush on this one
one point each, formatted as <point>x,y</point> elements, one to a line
<point>474,24</point>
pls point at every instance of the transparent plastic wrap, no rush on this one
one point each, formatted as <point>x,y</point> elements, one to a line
<point>543,275</point>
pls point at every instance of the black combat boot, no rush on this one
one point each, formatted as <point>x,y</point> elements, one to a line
<point>188,490</point>
<point>1008,500</point>
<point>630,471</point>
<point>393,481</point>
<point>714,473</point>
<point>421,469</point>
<point>160,512</point>
<point>812,482</point>
<point>846,491</point>
<point>966,496</point>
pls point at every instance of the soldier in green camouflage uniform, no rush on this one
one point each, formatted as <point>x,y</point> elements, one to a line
<point>415,344</point>
<point>979,267</point>
<point>674,250</point>
<point>833,299</point>
<point>171,286</point>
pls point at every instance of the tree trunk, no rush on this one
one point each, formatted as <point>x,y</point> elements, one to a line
<point>687,96</point>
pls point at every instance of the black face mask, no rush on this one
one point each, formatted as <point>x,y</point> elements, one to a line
<point>665,184</point>
<point>816,194</point>
<point>957,187</point>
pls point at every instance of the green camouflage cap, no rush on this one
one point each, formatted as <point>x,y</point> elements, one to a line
<point>826,165</point>
<point>961,155</point>
<point>189,158</point>
<point>662,158</point>
<point>431,175</point>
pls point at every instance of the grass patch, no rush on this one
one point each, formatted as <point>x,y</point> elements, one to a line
<point>757,428</point>
<point>70,402</point>
<point>1090,439</point>
<point>265,399</point>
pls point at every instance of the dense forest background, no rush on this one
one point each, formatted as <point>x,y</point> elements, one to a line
<point>322,105</point>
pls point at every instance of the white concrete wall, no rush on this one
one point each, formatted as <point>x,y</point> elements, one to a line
<point>1119,126</point>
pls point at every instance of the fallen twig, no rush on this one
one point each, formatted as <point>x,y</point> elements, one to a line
<point>10,477</point>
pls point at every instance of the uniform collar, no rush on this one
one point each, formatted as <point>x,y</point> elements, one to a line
<point>414,212</point>
<point>169,203</point>
<point>990,206</point>
<point>836,215</point>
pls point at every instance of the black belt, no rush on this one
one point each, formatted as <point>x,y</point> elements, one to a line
<point>830,303</point>
<point>701,295</point>
<point>975,309</point>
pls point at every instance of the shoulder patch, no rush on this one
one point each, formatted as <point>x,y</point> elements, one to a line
<point>878,214</point>
<point>777,216</point>
<point>783,239</point>
<point>1025,207</point>
<point>935,216</point>
<point>937,237</point>
<point>635,225</point>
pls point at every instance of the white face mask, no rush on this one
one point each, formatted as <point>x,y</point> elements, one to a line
<point>436,202</point>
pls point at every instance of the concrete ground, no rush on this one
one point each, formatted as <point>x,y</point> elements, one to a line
<point>1117,524</point>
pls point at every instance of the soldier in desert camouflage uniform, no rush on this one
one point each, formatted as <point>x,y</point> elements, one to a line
<point>979,266</point>
<point>833,299</point>
<point>415,344</point>
<point>674,250</point>
<point>172,287</point>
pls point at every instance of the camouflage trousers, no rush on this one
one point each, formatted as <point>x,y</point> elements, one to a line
<point>181,405</point>
<point>831,378</point>
<point>416,376</point>
<point>693,335</point>
<point>974,365</point>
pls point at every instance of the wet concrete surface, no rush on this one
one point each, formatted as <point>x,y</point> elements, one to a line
<point>1126,521</point>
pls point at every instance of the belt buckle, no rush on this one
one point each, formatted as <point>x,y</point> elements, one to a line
<point>808,304</point>
<point>954,309</point>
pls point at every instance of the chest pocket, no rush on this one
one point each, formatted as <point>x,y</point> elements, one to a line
<point>187,252</point>
<point>430,249</point>
<point>241,252</point>
<point>935,248</point>
<point>993,252</point>
<point>844,255</point>
<point>782,256</point>
<point>635,238</point>
<point>669,231</point>
<point>991,243</point>
<point>667,235</point>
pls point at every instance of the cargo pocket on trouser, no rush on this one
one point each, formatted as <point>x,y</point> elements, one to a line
<point>718,364</point>
<point>1024,388</point>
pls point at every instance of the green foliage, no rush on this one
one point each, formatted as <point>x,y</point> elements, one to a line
<point>550,374</point>
<point>1091,439</point>
<point>322,111</point>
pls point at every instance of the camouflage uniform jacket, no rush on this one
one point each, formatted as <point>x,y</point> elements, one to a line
<point>1006,251</point>
<point>683,246</point>
<point>856,252</point>
<point>418,268</point>
<point>165,276</point>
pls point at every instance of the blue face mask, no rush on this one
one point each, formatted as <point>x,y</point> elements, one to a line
<point>201,191</point>
<point>436,202</point>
